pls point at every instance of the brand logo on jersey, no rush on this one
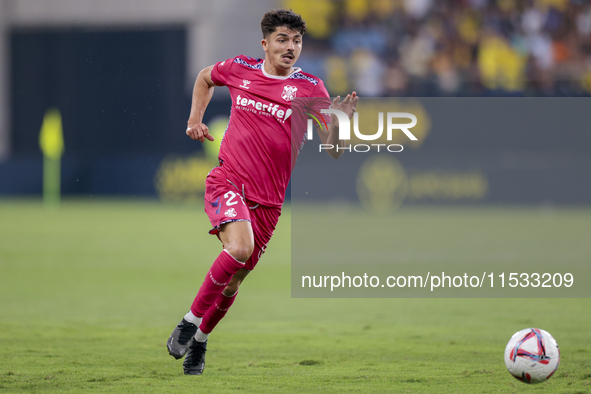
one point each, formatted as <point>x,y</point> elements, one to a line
<point>231,213</point>
<point>222,63</point>
<point>245,83</point>
<point>289,92</point>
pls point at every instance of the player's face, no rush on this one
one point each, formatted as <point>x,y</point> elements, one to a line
<point>283,47</point>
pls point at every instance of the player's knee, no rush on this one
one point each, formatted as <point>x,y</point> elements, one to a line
<point>241,251</point>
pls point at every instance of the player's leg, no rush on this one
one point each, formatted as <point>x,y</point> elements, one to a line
<point>263,222</point>
<point>238,241</point>
<point>194,363</point>
<point>238,245</point>
<point>221,305</point>
<point>229,216</point>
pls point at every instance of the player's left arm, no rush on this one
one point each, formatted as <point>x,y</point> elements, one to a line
<point>331,136</point>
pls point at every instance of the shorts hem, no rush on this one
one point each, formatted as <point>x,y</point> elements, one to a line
<point>216,229</point>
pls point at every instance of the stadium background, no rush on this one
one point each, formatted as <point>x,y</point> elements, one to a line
<point>121,74</point>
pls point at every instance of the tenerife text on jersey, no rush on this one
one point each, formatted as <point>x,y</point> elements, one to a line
<point>269,109</point>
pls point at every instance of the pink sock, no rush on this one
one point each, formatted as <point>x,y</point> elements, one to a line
<point>215,281</point>
<point>216,312</point>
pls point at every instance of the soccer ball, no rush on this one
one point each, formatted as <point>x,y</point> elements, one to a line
<point>532,355</point>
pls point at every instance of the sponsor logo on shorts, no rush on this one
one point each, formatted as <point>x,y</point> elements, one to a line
<point>231,213</point>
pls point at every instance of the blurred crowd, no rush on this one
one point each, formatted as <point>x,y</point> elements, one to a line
<point>448,47</point>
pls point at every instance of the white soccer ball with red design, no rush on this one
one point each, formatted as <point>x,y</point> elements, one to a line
<point>532,355</point>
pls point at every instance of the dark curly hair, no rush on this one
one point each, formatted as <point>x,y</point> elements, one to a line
<point>277,18</point>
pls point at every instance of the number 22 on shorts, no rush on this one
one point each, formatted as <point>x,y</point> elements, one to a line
<point>230,196</point>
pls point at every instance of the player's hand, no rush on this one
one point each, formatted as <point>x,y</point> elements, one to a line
<point>348,104</point>
<point>199,132</point>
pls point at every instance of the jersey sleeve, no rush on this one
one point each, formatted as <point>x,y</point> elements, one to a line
<point>221,72</point>
<point>321,100</point>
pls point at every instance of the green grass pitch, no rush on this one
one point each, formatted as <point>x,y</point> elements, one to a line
<point>90,293</point>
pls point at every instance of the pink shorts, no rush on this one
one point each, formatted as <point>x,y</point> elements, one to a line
<point>224,203</point>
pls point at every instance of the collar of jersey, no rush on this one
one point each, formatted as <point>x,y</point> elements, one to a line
<point>295,70</point>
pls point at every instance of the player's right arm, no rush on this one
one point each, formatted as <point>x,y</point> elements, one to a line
<point>202,92</point>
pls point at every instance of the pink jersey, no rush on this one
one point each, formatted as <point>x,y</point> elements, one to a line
<point>258,149</point>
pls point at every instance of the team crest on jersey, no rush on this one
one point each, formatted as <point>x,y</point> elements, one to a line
<point>231,213</point>
<point>289,92</point>
<point>245,83</point>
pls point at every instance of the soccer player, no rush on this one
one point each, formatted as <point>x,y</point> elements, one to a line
<point>244,194</point>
